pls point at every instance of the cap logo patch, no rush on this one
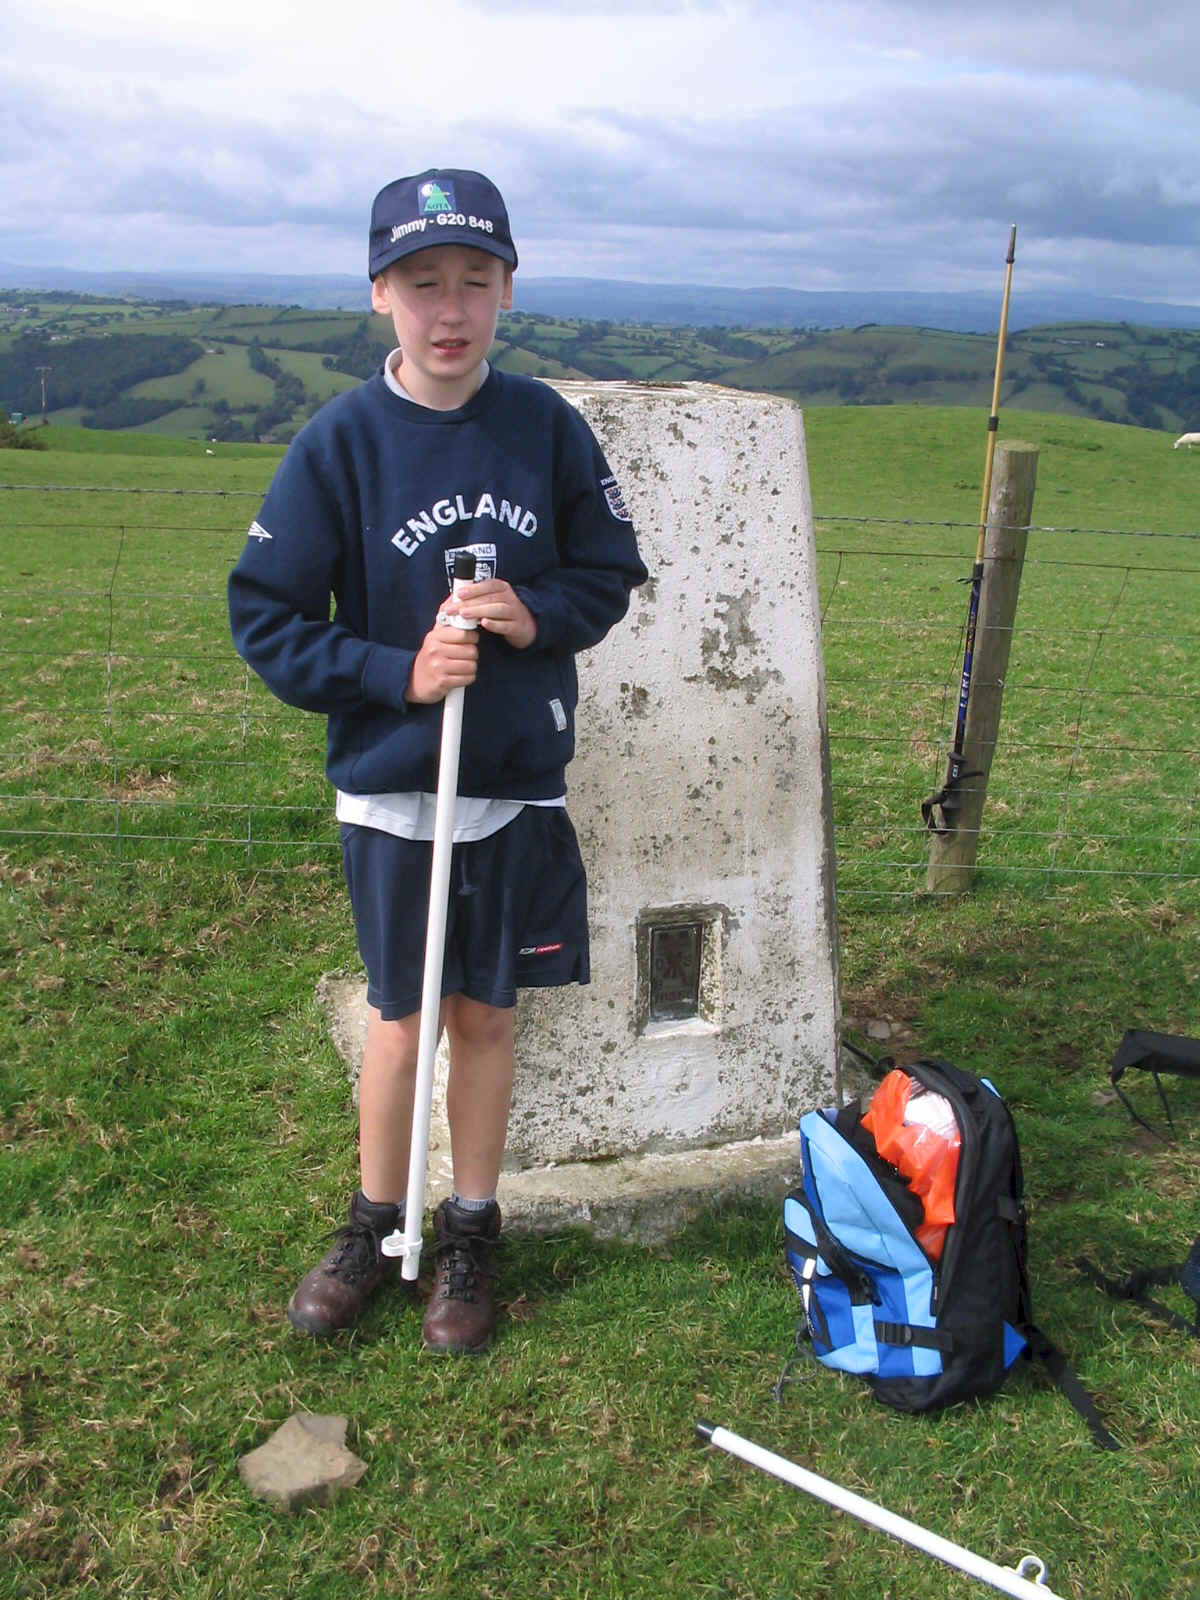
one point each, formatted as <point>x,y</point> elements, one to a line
<point>436,197</point>
<point>435,206</point>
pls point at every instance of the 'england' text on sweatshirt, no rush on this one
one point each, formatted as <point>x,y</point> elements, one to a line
<point>368,506</point>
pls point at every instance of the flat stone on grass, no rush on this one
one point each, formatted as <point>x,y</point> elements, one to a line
<point>305,1461</point>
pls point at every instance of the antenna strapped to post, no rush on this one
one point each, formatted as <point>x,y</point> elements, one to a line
<point>948,799</point>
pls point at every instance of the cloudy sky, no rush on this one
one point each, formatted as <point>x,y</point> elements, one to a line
<point>866,144</point>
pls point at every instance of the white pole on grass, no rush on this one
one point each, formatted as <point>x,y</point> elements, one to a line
<point>1009,1580</point>
<point>407,1244</point>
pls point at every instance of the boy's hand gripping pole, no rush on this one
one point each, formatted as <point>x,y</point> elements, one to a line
<point>407,1244</point>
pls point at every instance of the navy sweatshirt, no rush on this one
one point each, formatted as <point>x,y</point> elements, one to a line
<point>368,506</point>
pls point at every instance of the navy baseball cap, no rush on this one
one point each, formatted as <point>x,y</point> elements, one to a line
<point>442,206</point>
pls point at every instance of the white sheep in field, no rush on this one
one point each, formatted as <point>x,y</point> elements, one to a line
<point>1188,439</point>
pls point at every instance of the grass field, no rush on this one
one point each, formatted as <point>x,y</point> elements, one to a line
<point>176,1135</point>
<point>1097,771</point>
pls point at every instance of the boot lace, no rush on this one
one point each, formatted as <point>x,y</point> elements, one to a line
<point>463,1259</point>
<point>355,1255</point>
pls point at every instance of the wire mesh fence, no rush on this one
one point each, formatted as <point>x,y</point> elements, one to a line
<point>128,725</point>
<point>1095,773</point>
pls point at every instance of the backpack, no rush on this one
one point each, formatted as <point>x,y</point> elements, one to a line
<point>1154,1053</point>
<point>925,1333</point>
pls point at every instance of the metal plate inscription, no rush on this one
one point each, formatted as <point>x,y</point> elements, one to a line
<point>675,971</point>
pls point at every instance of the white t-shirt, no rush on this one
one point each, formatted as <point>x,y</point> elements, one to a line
<point>410,815</point>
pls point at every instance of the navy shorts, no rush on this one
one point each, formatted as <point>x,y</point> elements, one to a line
<point>517,916</point>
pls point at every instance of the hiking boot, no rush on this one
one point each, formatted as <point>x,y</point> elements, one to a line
<point>334,1294</point>
<point>460,1318</point>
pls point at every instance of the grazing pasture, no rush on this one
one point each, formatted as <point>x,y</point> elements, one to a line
<point>176,1135</point>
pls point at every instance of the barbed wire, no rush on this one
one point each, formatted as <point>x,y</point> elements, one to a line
<point>854,518</point>
<point>224,742</point>
<point>1007,527</point>
<point>116,488</point>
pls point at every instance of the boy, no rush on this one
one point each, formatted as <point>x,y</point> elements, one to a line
<point>437,453</point>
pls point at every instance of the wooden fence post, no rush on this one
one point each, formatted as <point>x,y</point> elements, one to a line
<point>1010,510</point>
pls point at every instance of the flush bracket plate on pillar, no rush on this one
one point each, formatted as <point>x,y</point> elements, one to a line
<point>679,968</point>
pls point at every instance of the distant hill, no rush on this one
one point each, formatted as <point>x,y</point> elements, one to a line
<point>666,304</point>
<point>694,305</point>
<point>254,372</point>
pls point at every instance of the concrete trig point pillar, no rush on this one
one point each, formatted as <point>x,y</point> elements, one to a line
<point>700,794</point>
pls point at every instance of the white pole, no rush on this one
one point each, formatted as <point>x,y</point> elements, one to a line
<point>407,1244</point>
<point>1008,1580</point>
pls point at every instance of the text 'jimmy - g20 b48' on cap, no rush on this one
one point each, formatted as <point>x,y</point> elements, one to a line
<point>441,206</point>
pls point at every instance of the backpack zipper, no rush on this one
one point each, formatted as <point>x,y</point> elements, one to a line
<point>840,1262</point>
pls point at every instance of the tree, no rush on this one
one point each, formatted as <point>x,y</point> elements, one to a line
<point>14,438</point>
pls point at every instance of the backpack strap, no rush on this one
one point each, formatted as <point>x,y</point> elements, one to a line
<point>1063,1375</point>
<point>908,1333</point>
<point>877,1067</point>
<point>1134,1287</point>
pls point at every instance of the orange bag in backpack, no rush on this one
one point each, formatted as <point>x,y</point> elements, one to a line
<point>916,1131</point>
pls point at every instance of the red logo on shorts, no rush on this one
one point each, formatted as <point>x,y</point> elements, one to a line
<point>541,949</point>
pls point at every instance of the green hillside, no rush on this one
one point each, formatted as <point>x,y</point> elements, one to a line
<point>255,373</point>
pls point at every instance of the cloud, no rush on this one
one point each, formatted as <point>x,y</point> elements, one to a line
<point>1151,44</point>
<point>858,191</point>
<point>860,143</point>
